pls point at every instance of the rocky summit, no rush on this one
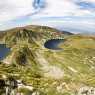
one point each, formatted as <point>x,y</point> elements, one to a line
<point>30,68</point>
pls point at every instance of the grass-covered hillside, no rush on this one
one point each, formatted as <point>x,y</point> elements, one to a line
<point>41,71</point>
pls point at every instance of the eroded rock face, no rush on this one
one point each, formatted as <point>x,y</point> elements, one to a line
<point>53,72</point>
<point>86,91</point>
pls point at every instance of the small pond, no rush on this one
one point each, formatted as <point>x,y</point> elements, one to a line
<point>53,44</point>
<point>3,51</point>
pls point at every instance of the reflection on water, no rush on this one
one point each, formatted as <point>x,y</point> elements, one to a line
<point>3,51</point>
<point>53,44</point>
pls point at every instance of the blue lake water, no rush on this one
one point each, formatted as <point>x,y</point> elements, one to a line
<point>53,44</point>
<point>3,51</point>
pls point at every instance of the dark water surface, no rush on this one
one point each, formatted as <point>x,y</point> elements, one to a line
<point>3,51</point>
<point>53,44</point>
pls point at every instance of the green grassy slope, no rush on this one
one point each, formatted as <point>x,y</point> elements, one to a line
<point>49,72</point>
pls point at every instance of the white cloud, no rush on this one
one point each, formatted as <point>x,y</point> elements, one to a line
<point>10,9</point>
<point>91,1</point>
<point>13,9</point>
<point>72,25</point>
<point>62,8</point>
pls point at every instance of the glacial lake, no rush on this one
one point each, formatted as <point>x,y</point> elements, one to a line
<point>53,44</point>
<point>3,51</point>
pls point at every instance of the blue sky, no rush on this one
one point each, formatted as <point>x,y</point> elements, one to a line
<point>77,16</point>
